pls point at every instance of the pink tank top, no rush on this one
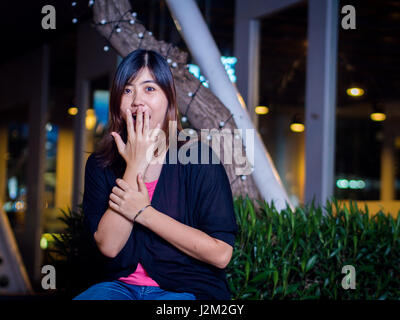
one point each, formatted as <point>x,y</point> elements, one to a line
<point>140,276</point>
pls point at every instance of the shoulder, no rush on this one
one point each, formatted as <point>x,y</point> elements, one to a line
<point>97,176</point>
<point>94,165</point>
<point>97,161</point>
<point>93,162</point>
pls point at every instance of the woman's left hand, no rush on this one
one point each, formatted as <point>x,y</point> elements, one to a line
<point>127,201</point>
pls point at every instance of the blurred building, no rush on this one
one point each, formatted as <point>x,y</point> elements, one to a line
<point>289,59</point>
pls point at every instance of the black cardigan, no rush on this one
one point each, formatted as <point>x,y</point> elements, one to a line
<point>198,195</point>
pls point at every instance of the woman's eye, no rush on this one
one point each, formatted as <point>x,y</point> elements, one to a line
<point>150,89</point>
<point>127,91</point>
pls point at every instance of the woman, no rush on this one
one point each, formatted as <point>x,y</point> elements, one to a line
<point>165,229</point>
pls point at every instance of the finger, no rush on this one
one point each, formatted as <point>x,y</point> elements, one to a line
<point>120,144</point>
<point>113,205</point>
<point>117,191</point>
<point>123,185</point>
<point>141,184</point>
<point>155,132</point>
<point>129,124</point>
<point>146,122</point>
<point>114,198</point>
<point>139,121</point>
<point>159,140</point>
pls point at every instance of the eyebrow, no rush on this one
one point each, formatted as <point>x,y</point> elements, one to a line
<point>143,82</point>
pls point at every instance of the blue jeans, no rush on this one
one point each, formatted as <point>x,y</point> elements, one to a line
<point>118,290</point>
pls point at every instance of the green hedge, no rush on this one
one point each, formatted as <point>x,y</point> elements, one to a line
<point>300,255</point>
<point>282,255</point>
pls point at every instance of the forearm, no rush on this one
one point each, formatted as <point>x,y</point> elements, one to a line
<point>191,241</point>
<point>114,229</point>
<point>112,233</point>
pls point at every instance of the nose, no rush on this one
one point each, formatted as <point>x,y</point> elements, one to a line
<point>137,100</point>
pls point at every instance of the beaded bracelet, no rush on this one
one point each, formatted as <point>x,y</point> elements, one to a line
<point>140,211</point>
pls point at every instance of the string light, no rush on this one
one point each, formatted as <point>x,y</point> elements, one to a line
<point>192,95</point>
<point>140,35</point>
<point>169,60</point>
<point>223,123</point>
<point>118,28</point>
<point>242,177</point>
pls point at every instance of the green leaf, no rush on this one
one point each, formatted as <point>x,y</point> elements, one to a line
<point>383,297</point>
<point>261,277</point>
<point>275,277</point>
<point>247,270</point>
<point>311,262</point>
<point>269,233</point>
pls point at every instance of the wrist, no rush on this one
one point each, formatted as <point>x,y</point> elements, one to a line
<point>133,167</point>
<point>131,173</point>
<point>144,215</point>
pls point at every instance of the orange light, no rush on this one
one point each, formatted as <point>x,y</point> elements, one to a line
<point>297,127</point>
<point>261,110</point>
<point>90,120</point>
<point>378,116</point>
<point>355,92</point>
<point>73,111</point>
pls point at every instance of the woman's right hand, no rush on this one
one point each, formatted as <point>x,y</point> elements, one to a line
<point>140,145</point>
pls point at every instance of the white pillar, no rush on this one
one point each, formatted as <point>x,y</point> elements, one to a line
<point>321,99</point>
<point>247,50</point>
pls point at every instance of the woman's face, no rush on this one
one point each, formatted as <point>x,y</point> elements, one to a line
<point>143,93</point>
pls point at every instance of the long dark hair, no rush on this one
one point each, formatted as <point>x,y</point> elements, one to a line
<point>107,151</point>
